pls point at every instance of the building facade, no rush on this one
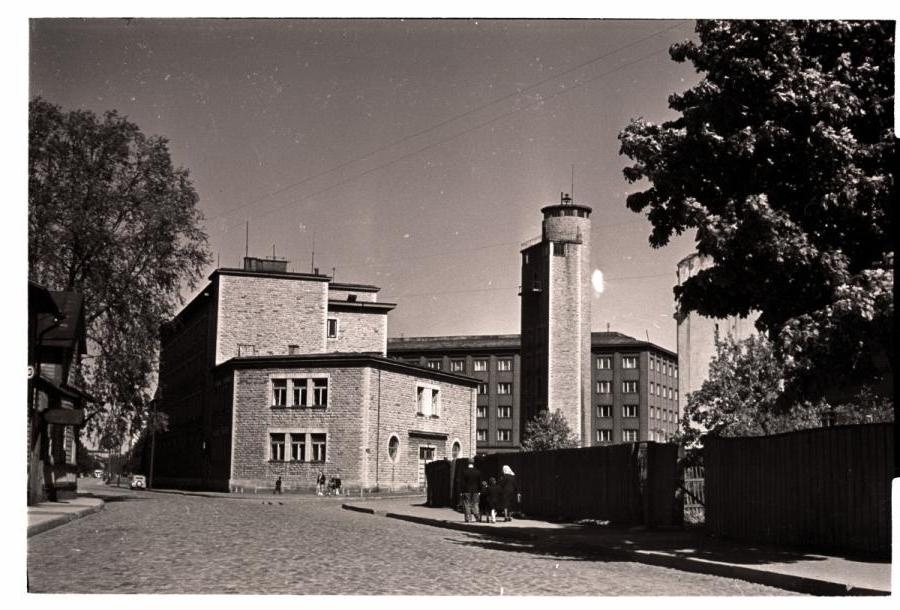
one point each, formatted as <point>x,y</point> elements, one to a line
<point>555,317</point>
<point>269,373</point>
<point>634,385</point>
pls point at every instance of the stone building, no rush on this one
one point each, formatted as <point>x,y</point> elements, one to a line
<point>269,373</point>
<point>634,385</point>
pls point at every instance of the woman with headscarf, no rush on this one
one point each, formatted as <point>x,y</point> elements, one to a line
<point>508,483</point>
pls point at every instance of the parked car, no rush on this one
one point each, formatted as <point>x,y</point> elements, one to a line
<point>138,481</point>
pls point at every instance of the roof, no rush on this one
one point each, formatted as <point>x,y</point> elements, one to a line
<point>343,359</point>
<point>455,343</point>
<point>360,306</point>
<point>39,299</point>
<point>66,327</point>
<point>284,275</point>
<point>460,343</point>
<point>353,287</point>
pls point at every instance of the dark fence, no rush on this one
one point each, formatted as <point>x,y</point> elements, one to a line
<point>694,496</point>
<point>828,488</point>
<point>625,484</point>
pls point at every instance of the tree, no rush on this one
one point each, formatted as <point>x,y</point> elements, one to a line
<point>782,159</point>
<point>548,431</point>
<point>740,398</point>
<point>109,216</point>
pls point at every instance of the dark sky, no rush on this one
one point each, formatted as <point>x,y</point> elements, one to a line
<point>417,153</point>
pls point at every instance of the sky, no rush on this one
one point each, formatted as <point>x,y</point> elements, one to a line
<point>410,154</point>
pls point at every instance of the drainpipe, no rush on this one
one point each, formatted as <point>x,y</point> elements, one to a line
<point>378,433</point>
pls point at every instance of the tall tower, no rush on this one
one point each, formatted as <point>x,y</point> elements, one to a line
<point>556,318</point>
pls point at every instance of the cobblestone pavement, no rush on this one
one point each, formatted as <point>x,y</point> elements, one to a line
<point>145,542</point>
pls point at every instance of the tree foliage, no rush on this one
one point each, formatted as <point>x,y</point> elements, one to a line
<point>548,430</point>
<point>782,159</point>
<point>740,398</point>
<point>111,217</point>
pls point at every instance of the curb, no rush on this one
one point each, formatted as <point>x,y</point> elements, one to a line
<point>788,582</point>
<point>63,518</point>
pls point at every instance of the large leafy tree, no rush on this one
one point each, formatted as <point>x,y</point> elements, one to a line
<point>548,430</point>
<point>111,217</point>
<point>782,160</point>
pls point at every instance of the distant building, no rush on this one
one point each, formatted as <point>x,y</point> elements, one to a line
<point>56,341</point>
<point>269,373</point>
<point>556,317</point>
<point>634,385</point>
<point>697,334</point>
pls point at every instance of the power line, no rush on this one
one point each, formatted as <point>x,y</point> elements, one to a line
<point>439,125</point>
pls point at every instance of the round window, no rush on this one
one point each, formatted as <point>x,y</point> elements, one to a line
<point>393,447</point>
<point>456,449</point>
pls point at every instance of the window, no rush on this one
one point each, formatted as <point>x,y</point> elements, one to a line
<point>652,388</point>
<point>676,372</point>
<point>604,436</point>
<point>279,392</point>
<point>604,410</point>
<point>481,435</point>
<point>483,388</point>
<point>428,401</point>
<point>629,387</point>
<point>629,362</point>
<point>246,349</point>
<point>604,362</point>
<point>629,435</point>
<point>393,448</point>
<point>559,249</point>
<point>676,394</point>
<point>293,349</point>
<point>298,447</point>
<point>332,328</point>
<point>504,412</point>
<point>504,387</point>
<point>504,364</point>
<point>604,387</point>
<point>276,447</point>
<point>481,365</point>
<point>318,447</point>
<point>434,364</point>
<point>457,366</point>
<point>481,411</point>
<point>299,392</point>
<point>629,410</point>
<point>504,434</point>
<point>320,392</point>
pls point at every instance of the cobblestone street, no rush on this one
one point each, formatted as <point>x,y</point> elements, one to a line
<point>144,542</point>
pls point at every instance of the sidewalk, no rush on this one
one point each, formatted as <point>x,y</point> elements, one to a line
<point>686,550</point>
<point>47,515</point>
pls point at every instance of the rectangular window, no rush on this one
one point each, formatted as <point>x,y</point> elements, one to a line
<point>481,365</point>
<point>629,435</point>
<point>481,412</point>
<point>604,387</point>
<point>434,364</point>
<point>299,396</point>
<point>676,394</point>
<point>481,435</point>
<point>504,434</point>
<point>604,363</point>
<point>504,387</point>
<point>318,442</point>
<point>604,410</point>
<point>276,447</point>
<point>604,436</point>
<point>676,373</point>
<point>559,249</point>
<point>298,447</point>
<point>652,388</point>
<point>504,412</point>
<point>457,366</point>
<point>428,401</point>
<point>320,392</point>
<point>629,410</point>
<point>483,388</point>
<point>629,362</point>
<point>279,392</point>
<point>293,350</point>
<point>332,328</point>
<point>246,349</point>
<point>504,364</point>
<point>629,387</point>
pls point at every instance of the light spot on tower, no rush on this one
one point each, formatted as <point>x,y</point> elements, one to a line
<point>597,281</point>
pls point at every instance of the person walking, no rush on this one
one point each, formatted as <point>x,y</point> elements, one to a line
<point>278,485</point>
<point>509,491</point>
<point>495,499</point>
<point>320,484</point>
<point>471,484</point>
<point>484,506</point>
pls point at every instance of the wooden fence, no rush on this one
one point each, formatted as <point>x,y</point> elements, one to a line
<point>827,488</point>
<point>694,496</point>
<point>625,484</point>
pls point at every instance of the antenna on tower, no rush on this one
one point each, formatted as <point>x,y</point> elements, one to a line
<point>312,265</point>
<point>648,335</point>
<point>247,241</point>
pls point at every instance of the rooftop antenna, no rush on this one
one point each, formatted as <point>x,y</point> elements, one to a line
<point>607,327</point>
<point>572,192</point>
<point>218,259</point>
<point>273,251</point>
<point>312,264</point>
<point>648,335</point>
<point>247,241</point>
<point>333,270</point>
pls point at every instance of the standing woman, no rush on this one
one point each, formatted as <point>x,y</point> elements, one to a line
<point>508,483</point>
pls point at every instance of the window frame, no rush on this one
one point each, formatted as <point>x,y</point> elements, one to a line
<point>501,409</point>
<point>630,359</point>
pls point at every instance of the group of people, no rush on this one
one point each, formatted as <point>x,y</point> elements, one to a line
<point>482,499</point>
<point>333,485</point>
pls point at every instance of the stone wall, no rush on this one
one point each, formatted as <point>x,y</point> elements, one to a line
<point>359,332</point>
